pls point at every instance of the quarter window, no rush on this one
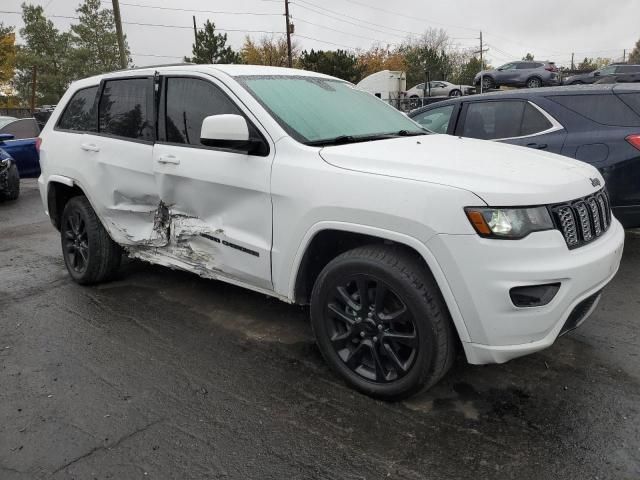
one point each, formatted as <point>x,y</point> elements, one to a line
<point>533,121</point>
<point>80,113</point>
<point>126,110</point>
<point>188,102</point>
<point>606,109</point>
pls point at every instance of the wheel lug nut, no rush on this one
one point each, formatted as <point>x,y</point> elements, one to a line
<point>370,315</point>
<point>362,334</point>
<point>375,339</point>
<point>380,327</point>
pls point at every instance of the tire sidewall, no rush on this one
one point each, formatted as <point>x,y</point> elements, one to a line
<point>13,184</point>
<point>536,79</point>
<point>415,302</point>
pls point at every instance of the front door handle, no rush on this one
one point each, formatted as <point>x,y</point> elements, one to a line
<point>168,159</point>
<point>539,146</point>
<point>89,147</point>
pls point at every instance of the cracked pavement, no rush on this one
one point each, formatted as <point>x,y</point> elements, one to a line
<point>162,374</point>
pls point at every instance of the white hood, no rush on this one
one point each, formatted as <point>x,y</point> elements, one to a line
<point>501,174</point>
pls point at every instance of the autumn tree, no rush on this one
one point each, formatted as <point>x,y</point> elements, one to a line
<point>590,64</point>
<point>95,40</point>
<point>338,63</point>
<point>211,47</point>
<point>634,56</point>
<point>268,51</point>
<point>380,58</point>
<point>7,53</point>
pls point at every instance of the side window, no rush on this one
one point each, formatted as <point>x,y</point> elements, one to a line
<point>533,121</point>
<point>188,102</point>
<point>80,112</point>
<point>436,120</point>
<point>509,66</point>
<point>125,109</point>
<point>493,120</point>
<point>606,109</point>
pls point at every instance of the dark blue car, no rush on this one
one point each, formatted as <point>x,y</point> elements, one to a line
<point>18,139</point>
<point>597,124</point>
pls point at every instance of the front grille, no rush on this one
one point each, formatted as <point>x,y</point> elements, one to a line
<point>583,220</point>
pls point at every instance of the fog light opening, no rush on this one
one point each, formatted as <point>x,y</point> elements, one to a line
<point>534,295</point>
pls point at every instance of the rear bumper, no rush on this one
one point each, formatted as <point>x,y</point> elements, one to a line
<point>482,271</point>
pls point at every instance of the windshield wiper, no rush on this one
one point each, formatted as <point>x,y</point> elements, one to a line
<point>407,133</point>
<point>344,139</point>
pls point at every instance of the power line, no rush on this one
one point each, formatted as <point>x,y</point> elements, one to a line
<point>328,43</point>
<point>175,9</point>
<point>298,19</point>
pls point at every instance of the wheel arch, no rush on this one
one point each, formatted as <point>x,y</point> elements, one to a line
<point>59,191</point>
<point>325,240</point>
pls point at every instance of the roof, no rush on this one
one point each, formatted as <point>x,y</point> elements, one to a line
<point>539,92</point>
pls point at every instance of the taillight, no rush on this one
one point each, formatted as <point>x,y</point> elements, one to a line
<point>634,140</point>
<point>38,142</point>
<point>551,69</point>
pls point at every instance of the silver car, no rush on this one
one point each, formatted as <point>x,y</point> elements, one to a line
<point>519,74</point>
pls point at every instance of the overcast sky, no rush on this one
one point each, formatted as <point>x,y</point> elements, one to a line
<point>550,29</point>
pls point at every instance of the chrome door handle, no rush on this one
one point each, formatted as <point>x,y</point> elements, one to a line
<point>168,159</point>
<point>89,147</point>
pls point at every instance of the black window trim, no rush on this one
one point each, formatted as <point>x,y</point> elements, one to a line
<point>555,124</point>
<point>153,115</point>
<point>162,108</point>
<point>57,127</point>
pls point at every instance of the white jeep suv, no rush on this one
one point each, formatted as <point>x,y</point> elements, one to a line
<point>406,245</point>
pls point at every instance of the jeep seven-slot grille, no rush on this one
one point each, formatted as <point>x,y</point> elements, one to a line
<point>583,220</point>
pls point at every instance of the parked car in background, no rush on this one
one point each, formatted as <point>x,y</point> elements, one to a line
<point>300,186</point>
<point>598,124</point>
<point>519,74</point>
<point>9,177</point>
<point>440,88</point>
<point>601,73</point>
<point>18,137</point>
<point>619,78</point>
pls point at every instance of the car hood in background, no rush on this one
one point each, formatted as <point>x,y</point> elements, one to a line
<point>501,174</point>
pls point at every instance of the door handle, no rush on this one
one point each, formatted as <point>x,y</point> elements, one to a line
<point>538,146</point>
<point>168,159</point>
<point>89,147</point>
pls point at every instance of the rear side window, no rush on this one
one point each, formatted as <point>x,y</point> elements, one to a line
<point>80,113</point>
<point>632,100</point>
<point>605,109</point>
<point>188,102</point>
<point>436,120</point>
<point>125,109</point>
<point>533,121</point>
<point>23,128</point>
<point>493,120</point>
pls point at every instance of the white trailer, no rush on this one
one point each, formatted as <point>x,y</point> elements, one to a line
<point>388,85</point>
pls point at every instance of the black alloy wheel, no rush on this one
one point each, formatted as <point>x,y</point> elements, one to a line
<point>371,329</point>
<point>75,242</point>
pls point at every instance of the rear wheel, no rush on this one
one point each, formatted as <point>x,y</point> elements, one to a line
<point>13,184</point>
<point>89,253</point>
<point>534,82</point>
<point>455,93</point>
<point>488,83</point>
<point>380,323</point>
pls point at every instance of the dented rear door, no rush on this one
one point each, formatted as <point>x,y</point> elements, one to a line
<point>217,201</point>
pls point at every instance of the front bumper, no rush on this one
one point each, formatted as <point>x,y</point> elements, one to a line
<point>480,273</point>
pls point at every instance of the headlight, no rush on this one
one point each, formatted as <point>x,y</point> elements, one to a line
<point>509,223</point>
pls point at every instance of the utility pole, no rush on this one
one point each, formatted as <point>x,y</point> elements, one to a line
<point>286,12</point>
<point>195,32</point>
<point>118,22</point>
<point>481,47</point>
<point>573,65</point>
<point>624,56</point>
<point>33,89</point>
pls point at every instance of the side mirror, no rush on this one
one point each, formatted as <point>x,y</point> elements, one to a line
<point>500,69</point>
<point>228,131</point>
<point>6,136</point>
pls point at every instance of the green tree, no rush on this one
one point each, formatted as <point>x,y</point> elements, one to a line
<point>590,64</point>
<point>95,40</point>
<point>467,72</point>
<point>634,56</point>
<point>428,53</point>
<point>211,47</point>
<point>337,63</point>
<point>47,50</point>
<point>528,58</point>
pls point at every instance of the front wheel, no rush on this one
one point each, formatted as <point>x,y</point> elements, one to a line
<point>89,253</point>
<point>487,83</point>
<point>380,323</point>
<point>12,190</point>
<point>455,93</point>
<point>534,82</point>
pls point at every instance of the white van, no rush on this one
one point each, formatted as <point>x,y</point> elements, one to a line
<point>406,245</point>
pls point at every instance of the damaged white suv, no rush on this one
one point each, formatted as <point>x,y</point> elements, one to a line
<point>406,245</point>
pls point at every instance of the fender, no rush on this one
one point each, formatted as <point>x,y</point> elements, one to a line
<point>401,238</point>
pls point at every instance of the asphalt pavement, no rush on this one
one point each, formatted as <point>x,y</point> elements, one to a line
<point>161,374</point>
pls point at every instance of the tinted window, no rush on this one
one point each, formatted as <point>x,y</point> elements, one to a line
<point>23,128</point>
<point>606,109</point>
<point>493,120</point>
<point>633,100</point>
<point>628,69</point>
<point>533,121</point>
<point>607,70</point>
<point>80,113</point>
<point>188,102</point>
<point>125,109</point>
<point>436,120</point>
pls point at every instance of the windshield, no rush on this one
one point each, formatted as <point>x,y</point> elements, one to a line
<point>6,120</point>
<point>313,110</point>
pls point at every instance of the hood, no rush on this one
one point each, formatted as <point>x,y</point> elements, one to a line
<point>500,174</point>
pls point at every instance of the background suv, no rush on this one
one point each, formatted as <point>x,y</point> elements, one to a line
<point>519,74</point>
<point>602,73</point>
<point>598,124</point>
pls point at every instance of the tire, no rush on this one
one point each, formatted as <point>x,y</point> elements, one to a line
<point>455,93</point>
<point>488,83</point>
<point>409,321</point>
<point>414,102</point>
<point>89,253</point>
<point>12,191</point>
<point>534,82</point>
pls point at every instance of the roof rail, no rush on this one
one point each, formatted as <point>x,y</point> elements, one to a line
<point>155,66</point>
